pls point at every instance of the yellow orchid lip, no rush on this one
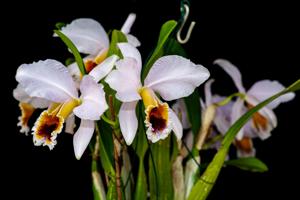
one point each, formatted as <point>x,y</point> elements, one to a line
<point>26,112</point>
<point>47,127</point>
<point>158,117</point>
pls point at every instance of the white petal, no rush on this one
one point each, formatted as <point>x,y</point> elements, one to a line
<point>47,79</point>
<point>176,124</point>
<point>83,137</point>
<point>233,72</point>
<point>207,92</point>
<point>93,100</point>
<point>174,77</point>
<point>128,23</point>
<point>101,70</point>
<point>70,124</point>
<point>20,94</point>
<point>264,89</point>
<point>128,121</point>
<point>129,51</point>
<point>236,113</point>
<point>125,80</point>
<point>131,39</point>
<point>88,35</point>
<point>180,110</point>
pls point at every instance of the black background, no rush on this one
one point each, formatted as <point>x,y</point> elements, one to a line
<point>262,39</point>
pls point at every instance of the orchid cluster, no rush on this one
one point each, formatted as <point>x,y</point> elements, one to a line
<point>127,110</point>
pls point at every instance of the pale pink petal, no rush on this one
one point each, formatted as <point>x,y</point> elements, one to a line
<point>70,124</point>
<point>128,121</point>
<point>101,70</point>
<point>207,92</point>
<point>176,124</point>
<point>82,137</point>
<point>237,111</point>
<point>128,23</point>
<point>47,79</point>
<point>264,89</point>
<point>180,109</point>
<point>87,35</point>
<point>129,51</point>
<point>125,80</point>
<point>233,72</point>
<point>131,39</point>
<point>93,100</point>
<point>174,77</point>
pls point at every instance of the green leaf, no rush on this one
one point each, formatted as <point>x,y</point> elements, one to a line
<point>193,108</point>
<point>206,182</point>
<point>59,25</point>
<point>106,148</point>
<point>141,184</point>
<point>116,37</point>
<point>98,188</point>
<point>69,61</point>
<point>160,170</point>
<point>165,31</point>
<point>250,164</point>
<point>74,51</point>
<point>112,191</point>
<point>173,47</point>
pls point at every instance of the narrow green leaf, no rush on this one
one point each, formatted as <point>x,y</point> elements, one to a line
<point>116,37</point>
<point>160,171</point>
<point>165,31</point>
<point>106,149</point>
<point>193,107</point>
<point>74,51</point>
<point>69,61</point>
<point>141,184</point>
<point>98,188</point>
<point>250,164</point>
<point>59,25</point>
<point>112,191</point>
<point>206,182</point>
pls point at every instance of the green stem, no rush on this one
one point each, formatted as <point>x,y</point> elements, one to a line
<point>110,122</point>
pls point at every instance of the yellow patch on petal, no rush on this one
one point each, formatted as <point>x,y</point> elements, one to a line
<point>258,120</point>
<point>148,97</point>
<point>26,112</point>
<point>157,117</point>
<point>101,56</point>
<point>244,145</point>
<point>47,126</point>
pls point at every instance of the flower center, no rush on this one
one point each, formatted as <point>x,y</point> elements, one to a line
<point>259,121</point>
<point>158,117</point>
<point>47,126</point>
<point>89,65</point>
<point>244,145</point>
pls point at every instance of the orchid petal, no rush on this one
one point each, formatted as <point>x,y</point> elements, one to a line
<point>264,89</point>
<point>47,79</point>
<point>176,124</point>
<point>20,95</point>
<point>233,72</point>
<point>101,70</point>
<point>207,92</point>
<point>236,113</point>
<point>128,23</point>
<point>93,100</point>
<point>83,137</point>
<point>180,110</point>
<point>70,124</point>
<point>129,51</point>
<point>133,40</point>
<point>174,77</point>
<point>128,121</point>
<point>125,80</point>
<point>88,35</point>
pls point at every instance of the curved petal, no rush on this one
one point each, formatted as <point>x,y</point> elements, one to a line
<point>264,89</point>
<point>83,137</point>
<point>174,77</point>
<point>20,95</point>
<point>101,70</point>
<point>207,92</point>
<point>128,23</point>
<point>237,111</point>
<point>129,51</point>
<point>47,79</point>
<point>133,40</point>
<point>70,124</point>
<point>176,124</point>
<point>93,100</point>
<point>128,121</point>
<point>180,109</point>
<point>125,80</point>
<point>88,35</point>
<point>233,72</point>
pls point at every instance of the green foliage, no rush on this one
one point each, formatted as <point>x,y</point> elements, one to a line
<point>116,37</point>
<point>250,164</point>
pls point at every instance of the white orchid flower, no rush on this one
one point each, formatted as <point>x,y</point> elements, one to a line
<point>27,106</point>
<point>265,120</point>
<point>90,38</point>
<point>51,80</point>
<point>172,77</point>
